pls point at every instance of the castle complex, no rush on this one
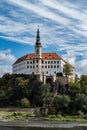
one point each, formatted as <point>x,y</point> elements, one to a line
<point>41,64</point>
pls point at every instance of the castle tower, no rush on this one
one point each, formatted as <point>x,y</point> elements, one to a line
<point>38,56</point>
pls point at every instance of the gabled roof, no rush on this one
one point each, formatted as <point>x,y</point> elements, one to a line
<point>48,56</point>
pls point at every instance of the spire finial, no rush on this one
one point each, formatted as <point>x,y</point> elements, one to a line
<point>38,26</point>
<point>38,33</point>
<point>38,36</point>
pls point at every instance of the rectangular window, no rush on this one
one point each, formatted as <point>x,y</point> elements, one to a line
<point>45,62</point>
<point>27,62</point>
<point>42,66</point>
<point>47,72</point>
<point>51,66</point>
<point>54,66</point>
<point>31,62</point>
<point>54,62</point>
<point>48,66</point>
<point>51,62</point>
<point>48,62</point>
<point>57,66</point>
<point>54,72</point>
<point>45,66</point>
<point>37,66</point>
<point>36,61</point>
<point>30,66</point>
<point>57,61</point>
<point>27,66</point>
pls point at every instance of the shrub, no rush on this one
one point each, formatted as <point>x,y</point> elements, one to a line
<point>52,111</point>
<point>80,113</point>
<point>17,114</point>
<point>52,116</point>
<point>85,116</point>
<point>29,114</point>
<point>25,103</point>
<point>59,116</point>
<point>14,114</point>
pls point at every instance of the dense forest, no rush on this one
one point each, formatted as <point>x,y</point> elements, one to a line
<point>26,91</point>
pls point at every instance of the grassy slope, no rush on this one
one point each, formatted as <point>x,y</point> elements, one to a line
<point>27,115</point>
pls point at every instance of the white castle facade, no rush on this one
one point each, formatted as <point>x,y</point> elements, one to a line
<point>42,64</point>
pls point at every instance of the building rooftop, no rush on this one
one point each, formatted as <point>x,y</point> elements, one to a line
<point>48,56</point>
<point>45,56</point>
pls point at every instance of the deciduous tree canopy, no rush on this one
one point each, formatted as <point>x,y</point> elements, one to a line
<point>67,70</point>
<point>15,88</point>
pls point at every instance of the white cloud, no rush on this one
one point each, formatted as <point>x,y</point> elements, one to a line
<point>45,12</point>
<point>23,40</point>
<point>5,69</point>
<point>11,27</point>
<point>81,67</point>
<point>6,51</point>
<point>65,9</point>
<point>6,61</point>
<point>70,57</point>
<point>42,11</point>
<point>6,57</point>
<point>15,29</point>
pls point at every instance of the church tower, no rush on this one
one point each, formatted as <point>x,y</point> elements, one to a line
<point>38,56</point>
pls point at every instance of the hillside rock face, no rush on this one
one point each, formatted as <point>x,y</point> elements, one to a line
<point>62,85</point>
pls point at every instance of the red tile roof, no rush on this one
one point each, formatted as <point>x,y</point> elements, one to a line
<point>48,56</point>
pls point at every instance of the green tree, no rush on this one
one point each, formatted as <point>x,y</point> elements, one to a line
<point>5,90</point>
<point>22,87</point>
<point>83,80</point>
<point>35,92</point>
<point>83,83</point>
<point>76,78</point>
<point>80,103</point>
<point>67,70</point>
<point>45,94</point>
<point>75,88</point>
<point>61,103</point>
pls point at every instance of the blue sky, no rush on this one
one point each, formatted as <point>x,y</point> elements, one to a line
<point>63,29</point>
